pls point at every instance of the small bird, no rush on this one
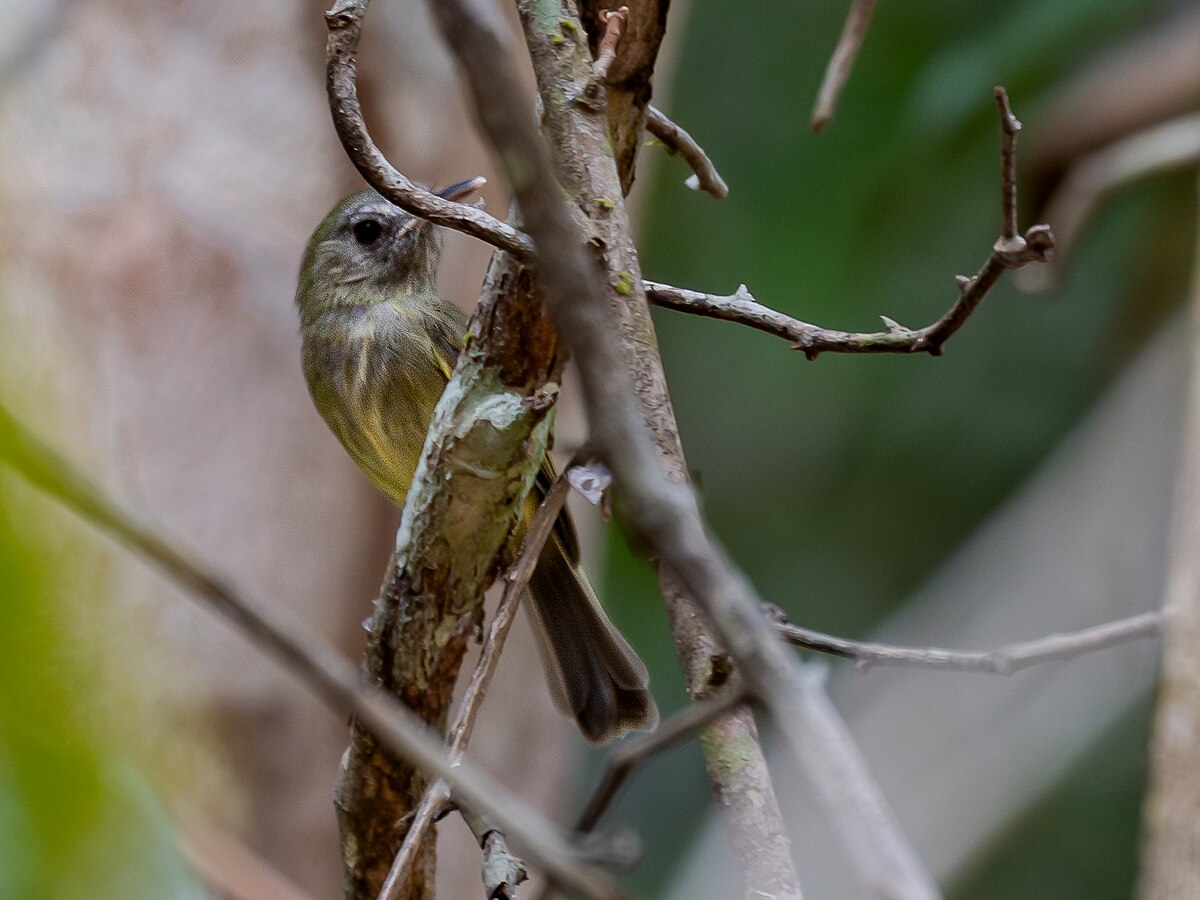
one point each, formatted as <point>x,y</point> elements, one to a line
<point>379,345</point>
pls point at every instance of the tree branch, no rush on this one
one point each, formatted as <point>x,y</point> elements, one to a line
<point>1009,252</point>
<point>1170,857</point>
<point>623,760</point>
<point>574,123</point>
<point>484,448</point>
<point>1001,661</point>
<point>705,176</point>
<point>320,668</point>
<point>437,796</point>
<point>837,73</point>
<point>345,21</point>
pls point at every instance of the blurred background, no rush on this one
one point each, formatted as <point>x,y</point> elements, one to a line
<point>161,166</point>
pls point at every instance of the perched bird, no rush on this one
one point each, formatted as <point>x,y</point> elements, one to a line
<point>379,348</point>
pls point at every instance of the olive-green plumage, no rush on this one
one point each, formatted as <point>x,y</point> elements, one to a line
<point>379,347</point>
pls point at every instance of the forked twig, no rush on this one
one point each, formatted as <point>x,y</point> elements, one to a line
<point>1010,251</point>
<point>627,756</point>
<point>623,760</point>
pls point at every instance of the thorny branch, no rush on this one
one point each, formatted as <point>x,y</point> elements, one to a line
<point>705,176</point>
<point>437,795</point>
<point>318,666</point>
<point>837,73</point>
<point>1009,252</point>
<point>1001,661</point>
<point>664,512</point>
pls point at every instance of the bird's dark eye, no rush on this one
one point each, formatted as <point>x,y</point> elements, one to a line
<point>367,231</point>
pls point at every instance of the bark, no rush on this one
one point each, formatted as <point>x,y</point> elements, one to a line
<point>490,434</point>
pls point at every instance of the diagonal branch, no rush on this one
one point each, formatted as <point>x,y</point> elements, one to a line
<point>318,666</point>
<point>837,73</point>
<point>662,510</point>
<point>705,176</point>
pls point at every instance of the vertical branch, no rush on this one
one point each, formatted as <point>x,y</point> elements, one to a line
<point>1008,169</point>
<point>1171,848</point>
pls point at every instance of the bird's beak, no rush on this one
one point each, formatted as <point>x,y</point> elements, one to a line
<point>461,190</point>
<point>457,192</point>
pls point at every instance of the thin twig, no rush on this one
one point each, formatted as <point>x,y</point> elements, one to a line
<point>705,176</point>
<point>1001,661</point>
<point>1008,171</point>
<point>317,665</point>
<point>837,73</point>
<point>345,21</point>
<point>614,20</point>
<point>1009,252</point>
<point>433,804</point>
<point>437,795</point>
<point>626,757</point>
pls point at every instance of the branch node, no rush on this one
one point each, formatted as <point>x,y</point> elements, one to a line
<point>1008,120</point>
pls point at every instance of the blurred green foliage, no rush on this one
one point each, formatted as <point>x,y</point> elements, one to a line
<point>76,818</point>
<point>839,485</point>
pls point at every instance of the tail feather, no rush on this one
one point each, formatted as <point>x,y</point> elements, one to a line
<point>594,675</point>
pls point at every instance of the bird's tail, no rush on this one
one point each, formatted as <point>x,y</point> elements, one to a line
<point>595,676</point>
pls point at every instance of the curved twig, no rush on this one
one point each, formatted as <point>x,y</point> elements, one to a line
<point>345,21</point>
